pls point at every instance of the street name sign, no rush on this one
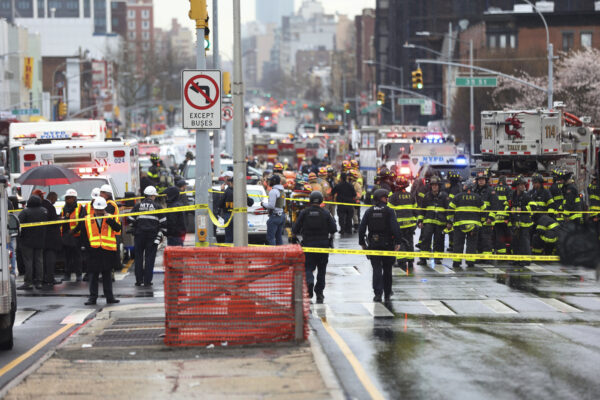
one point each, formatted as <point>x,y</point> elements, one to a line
<point>410,101</point>
<point>201,99</point>
<point>476,81</point>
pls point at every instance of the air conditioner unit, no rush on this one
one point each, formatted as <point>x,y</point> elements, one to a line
<point>545,6</point>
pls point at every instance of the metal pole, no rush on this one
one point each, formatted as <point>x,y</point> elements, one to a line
<point>203,167</point>
<point>344,98</point>
<point>216,65</point>
<point>449,73</point>
<point>393,108</point>
<point>240,220</point>
<point>471,100</point>
<point>402,87</point>
<point>550,76</point>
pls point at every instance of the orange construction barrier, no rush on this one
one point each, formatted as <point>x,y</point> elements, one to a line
<point>235,295</point>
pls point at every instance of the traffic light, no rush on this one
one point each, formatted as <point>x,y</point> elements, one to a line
<point>417,79</point>
<point>199,13</point>
<point>62,109</point>
<point>322,108</point>
<point>160,109</point>
<point>380,98</point>
<point>226,84</point>
<point>347,108</point>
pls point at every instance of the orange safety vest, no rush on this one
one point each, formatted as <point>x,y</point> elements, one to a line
<point>114,204</point>
<point>73,217</point>
<point>88,208</point>
<point>106,238</point>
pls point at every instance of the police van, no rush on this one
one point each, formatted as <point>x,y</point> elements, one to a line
<point>441,154</point>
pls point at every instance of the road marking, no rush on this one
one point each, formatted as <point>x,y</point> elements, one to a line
<point>322,310</point>
<point>34,349</point>
<point>437,307</point>
<point>119,276</point>
<point>76,317</point>
<point>493,271</point>
<point>498,307</point>
<point>349,271</point>
<point>378,310</point>
<point>22,316</point>
<point>442,269</point>
<point>538,269</point>
<point>356,366</point>
<point>126,267</point>
<point>559,305</point>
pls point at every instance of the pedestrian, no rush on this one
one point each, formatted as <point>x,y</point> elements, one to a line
<point>52,241</point>
<point>31,242</point>
<point>433,220</point>
<point>176,225</point>
<point>72,243</point>
<point>383,234</point>
<point>275,207</point>
<point>225,207</point>
<point>521,220</point>
<point>317,227</point>
<point>404,205</point>
<point>344,192</point>
<point>101,245</point>
<point>149,230</point>
<point>465,221</point>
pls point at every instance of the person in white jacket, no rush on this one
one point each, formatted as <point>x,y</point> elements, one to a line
<point>275,205</point>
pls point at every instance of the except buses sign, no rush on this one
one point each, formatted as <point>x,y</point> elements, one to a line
<point>201,99</point>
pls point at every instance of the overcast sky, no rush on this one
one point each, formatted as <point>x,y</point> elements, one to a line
<point>165,10</point>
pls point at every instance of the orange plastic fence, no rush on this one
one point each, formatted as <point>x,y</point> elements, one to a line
<point>236,295</point>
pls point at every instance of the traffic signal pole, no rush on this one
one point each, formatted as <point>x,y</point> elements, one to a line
<point>216,65</point>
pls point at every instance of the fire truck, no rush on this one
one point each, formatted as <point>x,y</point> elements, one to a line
<point>524,142</point>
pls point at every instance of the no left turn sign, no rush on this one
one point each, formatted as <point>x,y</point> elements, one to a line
<point>228,112</point>
<point>201,99</point>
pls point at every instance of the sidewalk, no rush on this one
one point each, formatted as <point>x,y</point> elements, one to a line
<point>120,355</point>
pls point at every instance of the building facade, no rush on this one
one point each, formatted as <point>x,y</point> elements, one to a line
<point>271,11</point>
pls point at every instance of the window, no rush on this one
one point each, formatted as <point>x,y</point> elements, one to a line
<point>145,25</point>
<point>131,35</point>
<point>586,39</point>
<point>145,14</point>
<point>567,41</point>
<point>502,41</point>
<point>146,46</point>
<point>130,14</point>
<point>131,25</point>
<point>492,41</point>
<point>146,35</point>
<point>513,41</point>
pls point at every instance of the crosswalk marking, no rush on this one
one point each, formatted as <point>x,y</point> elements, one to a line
<point>437,307</point>
<point>119,276</point>
<point>538,269</point>
<point>498,307</point>
<point>559,305</point>
<point>76,317</point>
<point>23,315</point>
<point>493,270</point>
<point>349,271</point>
<point>378,310</point>
<point>442,269</point>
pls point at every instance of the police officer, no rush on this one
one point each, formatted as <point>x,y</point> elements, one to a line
<point>404,204</point>
<point>383,234</point>
<point>275,205</point>
<point>502,237</point>
<point>149,230</point>
<point>593,192</point>
<point>521,220</point>
<point>465,221</point>
<point>317,226</point>
<point>432,220</point>
<point>344,192</point>
<point>486,234</point>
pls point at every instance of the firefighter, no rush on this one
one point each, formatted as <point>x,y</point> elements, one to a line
<point>545,235</point>
<point>278,170</point>
<point>158,173</point>
<point>332,181</point>
<point>485,243</point>
<point>502,237</point>
<point>300,196</point>
<point>153,171</point>
<point>354,177</point>
<point>72,210</point>
<point>149,230</point>
<point>521,220</point>
<point>405,206</point>
<point>317,227</point>
<point>315,182</point>
<point>432,220</point>
<point>453,187</point>
<point>383,234</point>
<point>593,192</point>
<point>465,220</point>
<point>572,204</point>
<point>540,197</point>
<point>556,192</point>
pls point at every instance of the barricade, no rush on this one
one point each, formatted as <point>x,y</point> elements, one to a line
<point>240,295</point>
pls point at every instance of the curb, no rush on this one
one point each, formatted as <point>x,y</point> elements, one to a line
<point>329,377</point>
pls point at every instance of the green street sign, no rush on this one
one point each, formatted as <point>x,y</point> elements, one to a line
<point>26,111</point>
<point>466,81</point>
<point>410,101</point>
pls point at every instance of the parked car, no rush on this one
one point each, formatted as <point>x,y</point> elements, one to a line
<point>257,216</point>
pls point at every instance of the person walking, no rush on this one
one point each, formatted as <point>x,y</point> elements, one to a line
<point>149,230</point>
<point>317,227</point>
<point>383,234</point>
<point>32,242</point>
<point>101,245</point>
<point>176,225</point>
<point>72,211</point>
<point>344,192</point>
<point>52,241</point>
<point>465,221</point>
<point>275,205</point>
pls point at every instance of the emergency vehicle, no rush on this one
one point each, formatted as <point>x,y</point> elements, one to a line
<point>441,154</point>
<point>112,157</point>
<point>8,287</point>
<point>524,142</point>
<point>25,133</point>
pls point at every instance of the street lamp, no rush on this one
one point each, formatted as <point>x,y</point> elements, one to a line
<point>550,48</point>
<point>416,46</point>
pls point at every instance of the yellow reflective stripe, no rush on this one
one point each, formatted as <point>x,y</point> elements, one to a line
<point>594,197</point>
<point>434,222</point>
<point>524,224</point>
<point>554,225</point>
<point>468,209</point>
<point>434,208</point>
<point>466,222</point>
<point>548,240</point>
<point>404,207</point>
<point>575,216</point>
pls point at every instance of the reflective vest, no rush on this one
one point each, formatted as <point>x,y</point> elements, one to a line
<point>112,202</point>
<point>73,217</point>
<point>88,208</point>
<point>106,238</point>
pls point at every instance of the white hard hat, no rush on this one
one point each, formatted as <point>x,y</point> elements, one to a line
<point>95,192</point>
<point>106,188</point>
<point>99,203</point>
<point>228,174</point>
<point>150,191</point>
<point>71,193</point>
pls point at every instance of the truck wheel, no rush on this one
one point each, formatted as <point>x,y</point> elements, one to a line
<point>6,334</point>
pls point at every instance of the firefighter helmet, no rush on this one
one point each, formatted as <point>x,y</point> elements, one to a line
<point>354,164</point>
<point>401,182</point>
<point>434,180</point>
<point>537,178</point>
<point>323,171</point>
<point>278,167</point>
<point>346,165</point>
<point>312,176</point>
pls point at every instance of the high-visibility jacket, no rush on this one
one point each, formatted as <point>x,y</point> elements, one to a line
<point>104,238</point>
<point>404,204</point>
<point>500,204</point>
<point>116,209</point>
<point>435,209</point>
<point>557,198</point>
<point>73,217</point>
<point>488,197</point>
<point>547,228</point>
<point>572,202</point>
<point>467,213</point>
<point>594,199</point>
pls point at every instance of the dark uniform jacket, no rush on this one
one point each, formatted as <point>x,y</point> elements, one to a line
<point>593,192</point>
<point>540,201</point>
<point>33,237</point>
<point>176,220</point>
<point>500,203</point>
<point>521,219</point>
<point>467,209</point>
<point>435,209</point>
<point>404,204</point>
<point>384,232</point>
<point>556,198</point>
<point>488,196</point>
<point>345,192</point>
<point>572,202</point>
<point>315,224</point>
<point>53,239</point>
<point>148,223</point>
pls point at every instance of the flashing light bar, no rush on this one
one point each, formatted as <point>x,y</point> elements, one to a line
<point>90,170</point>
<point>460,160</point>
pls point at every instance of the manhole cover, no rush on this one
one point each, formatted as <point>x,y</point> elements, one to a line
<point>127,332</point>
